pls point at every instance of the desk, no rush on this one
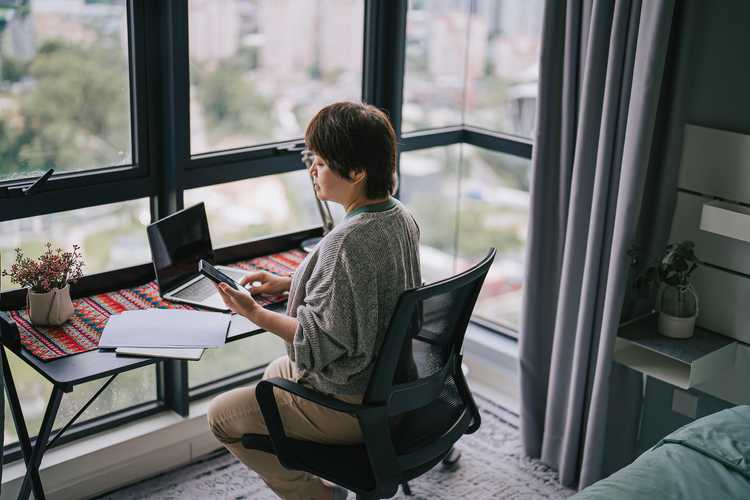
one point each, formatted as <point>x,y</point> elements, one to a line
<point>67,372</point>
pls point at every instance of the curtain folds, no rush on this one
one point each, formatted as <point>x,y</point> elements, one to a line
<point>602,66</point>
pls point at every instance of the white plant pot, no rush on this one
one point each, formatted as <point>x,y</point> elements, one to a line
<point>676,328</point>
<point>51,308</point>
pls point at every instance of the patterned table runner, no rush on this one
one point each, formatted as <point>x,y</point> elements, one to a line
<point>81,332</point>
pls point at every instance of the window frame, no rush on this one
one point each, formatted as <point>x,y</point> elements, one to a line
<point>160,131</point>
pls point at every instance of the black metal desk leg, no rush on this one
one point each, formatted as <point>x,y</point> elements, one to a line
<point>21,430</point>
<point>41,444</point>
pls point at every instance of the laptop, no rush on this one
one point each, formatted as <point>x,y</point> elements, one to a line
<point>177,243</point>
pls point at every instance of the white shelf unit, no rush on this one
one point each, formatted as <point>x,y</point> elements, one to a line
<point>683,363</point>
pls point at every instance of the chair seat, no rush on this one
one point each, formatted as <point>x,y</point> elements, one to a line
<point>345,465</point>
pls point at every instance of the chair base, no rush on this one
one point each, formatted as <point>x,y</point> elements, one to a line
<point>450,461</point>
<point>405,488</point>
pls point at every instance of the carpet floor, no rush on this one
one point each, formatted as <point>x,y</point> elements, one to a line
<point>492,466</point>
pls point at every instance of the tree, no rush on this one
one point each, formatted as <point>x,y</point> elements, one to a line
<point>231,104</point>
<point>77,113</point>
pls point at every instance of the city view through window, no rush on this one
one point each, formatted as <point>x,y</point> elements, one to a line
<point>473,62</point>
<point>64,86</point>
<point>259,70</point>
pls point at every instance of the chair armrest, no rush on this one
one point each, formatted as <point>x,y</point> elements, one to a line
<point>310,395</point>
<point>270,410</point>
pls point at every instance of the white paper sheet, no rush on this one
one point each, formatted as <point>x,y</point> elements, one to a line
<point>165,328</point>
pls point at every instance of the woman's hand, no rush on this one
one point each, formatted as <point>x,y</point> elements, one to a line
<point>269,283</point>
<point>241,302</point>
<point>238,301</point>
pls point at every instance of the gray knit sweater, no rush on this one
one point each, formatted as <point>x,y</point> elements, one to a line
<point>344,293</point>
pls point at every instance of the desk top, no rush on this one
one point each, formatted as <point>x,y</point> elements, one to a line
<point>70,371</point>
<point>79,368</point>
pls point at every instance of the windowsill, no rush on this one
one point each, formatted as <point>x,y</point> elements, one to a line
<point>153,445</point>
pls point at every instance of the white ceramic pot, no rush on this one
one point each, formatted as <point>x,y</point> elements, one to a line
<point>50,308</point>
<point>676,328</point>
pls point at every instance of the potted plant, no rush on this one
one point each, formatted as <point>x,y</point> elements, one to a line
<point>47,280</point>
<point>676,299</point>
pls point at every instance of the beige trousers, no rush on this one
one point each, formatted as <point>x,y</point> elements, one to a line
<point>236,412</point>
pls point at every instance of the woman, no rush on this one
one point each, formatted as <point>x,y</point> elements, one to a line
<point>340,299</point>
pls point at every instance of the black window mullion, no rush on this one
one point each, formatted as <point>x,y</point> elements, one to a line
<point>98,191</point>
<point>166,25</point>
<point>242,169</point>
<point>495,141</point>
<point>383,59</point>
<point>169,98</point>
<point>423,139</point>
<point>139,90</point>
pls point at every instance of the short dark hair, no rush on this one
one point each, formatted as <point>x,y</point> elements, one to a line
<point>354,137</point>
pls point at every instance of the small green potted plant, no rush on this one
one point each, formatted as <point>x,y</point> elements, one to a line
<point>47,280</point>
<point>676,298</point>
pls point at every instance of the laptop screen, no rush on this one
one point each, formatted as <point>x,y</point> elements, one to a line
<point>177,243</point>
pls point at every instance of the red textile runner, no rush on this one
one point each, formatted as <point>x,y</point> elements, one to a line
<point>81,332</point>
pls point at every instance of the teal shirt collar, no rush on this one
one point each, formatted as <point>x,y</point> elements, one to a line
<point>376,207</point>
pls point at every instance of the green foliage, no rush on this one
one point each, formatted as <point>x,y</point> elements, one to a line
<point>674,269</point>
<point>475,235</point>
<point>678,264</point>
<point>76,114</point>
<point>231,103</point>
<point>512,171</point>
<point>12,70</point>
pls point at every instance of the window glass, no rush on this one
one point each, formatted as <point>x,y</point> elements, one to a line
<point>110,236</point>
<point>260,69</point>
<point>235,357</point>
<point>429,188</point>
<point>467,199</point>
<point>436,42</point>
<point>494,212</point>
<point>503,65</point>
<point>64,86</point>
<point>242,210</point>
<point>128,389</point>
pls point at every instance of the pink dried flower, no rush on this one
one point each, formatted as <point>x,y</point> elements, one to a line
<point>53,269</point>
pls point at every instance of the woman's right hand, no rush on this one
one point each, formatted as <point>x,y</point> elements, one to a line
<point>269,283</point>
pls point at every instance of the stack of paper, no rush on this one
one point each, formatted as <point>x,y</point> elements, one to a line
<point>169,333</point>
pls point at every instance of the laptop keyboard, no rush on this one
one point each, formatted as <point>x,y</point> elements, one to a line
<point>198,291</point>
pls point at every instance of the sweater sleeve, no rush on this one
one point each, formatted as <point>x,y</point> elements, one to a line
<point>338,320</point>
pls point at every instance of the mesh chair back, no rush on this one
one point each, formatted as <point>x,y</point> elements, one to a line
<point>418,371</point>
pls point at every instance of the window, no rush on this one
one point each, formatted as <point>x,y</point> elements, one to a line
<point>242,210</point>
<point>260,69</point>
<point>64,86</point>
<point>436,42</point>
<point>472,62</point>
<point>494,212</point>
<point>503,66</point>
<point>429,187</point>
<point>110,236</point>
<point>237,357</point>
<point>466,200</point>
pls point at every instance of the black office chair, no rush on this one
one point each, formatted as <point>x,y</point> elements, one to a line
<point>417,404</point>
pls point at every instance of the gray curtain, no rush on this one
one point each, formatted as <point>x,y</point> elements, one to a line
<point>602,67</point>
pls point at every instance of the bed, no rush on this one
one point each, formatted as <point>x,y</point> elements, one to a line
<point>706,459</point>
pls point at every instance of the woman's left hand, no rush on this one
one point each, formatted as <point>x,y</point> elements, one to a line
<point>238,301</point>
